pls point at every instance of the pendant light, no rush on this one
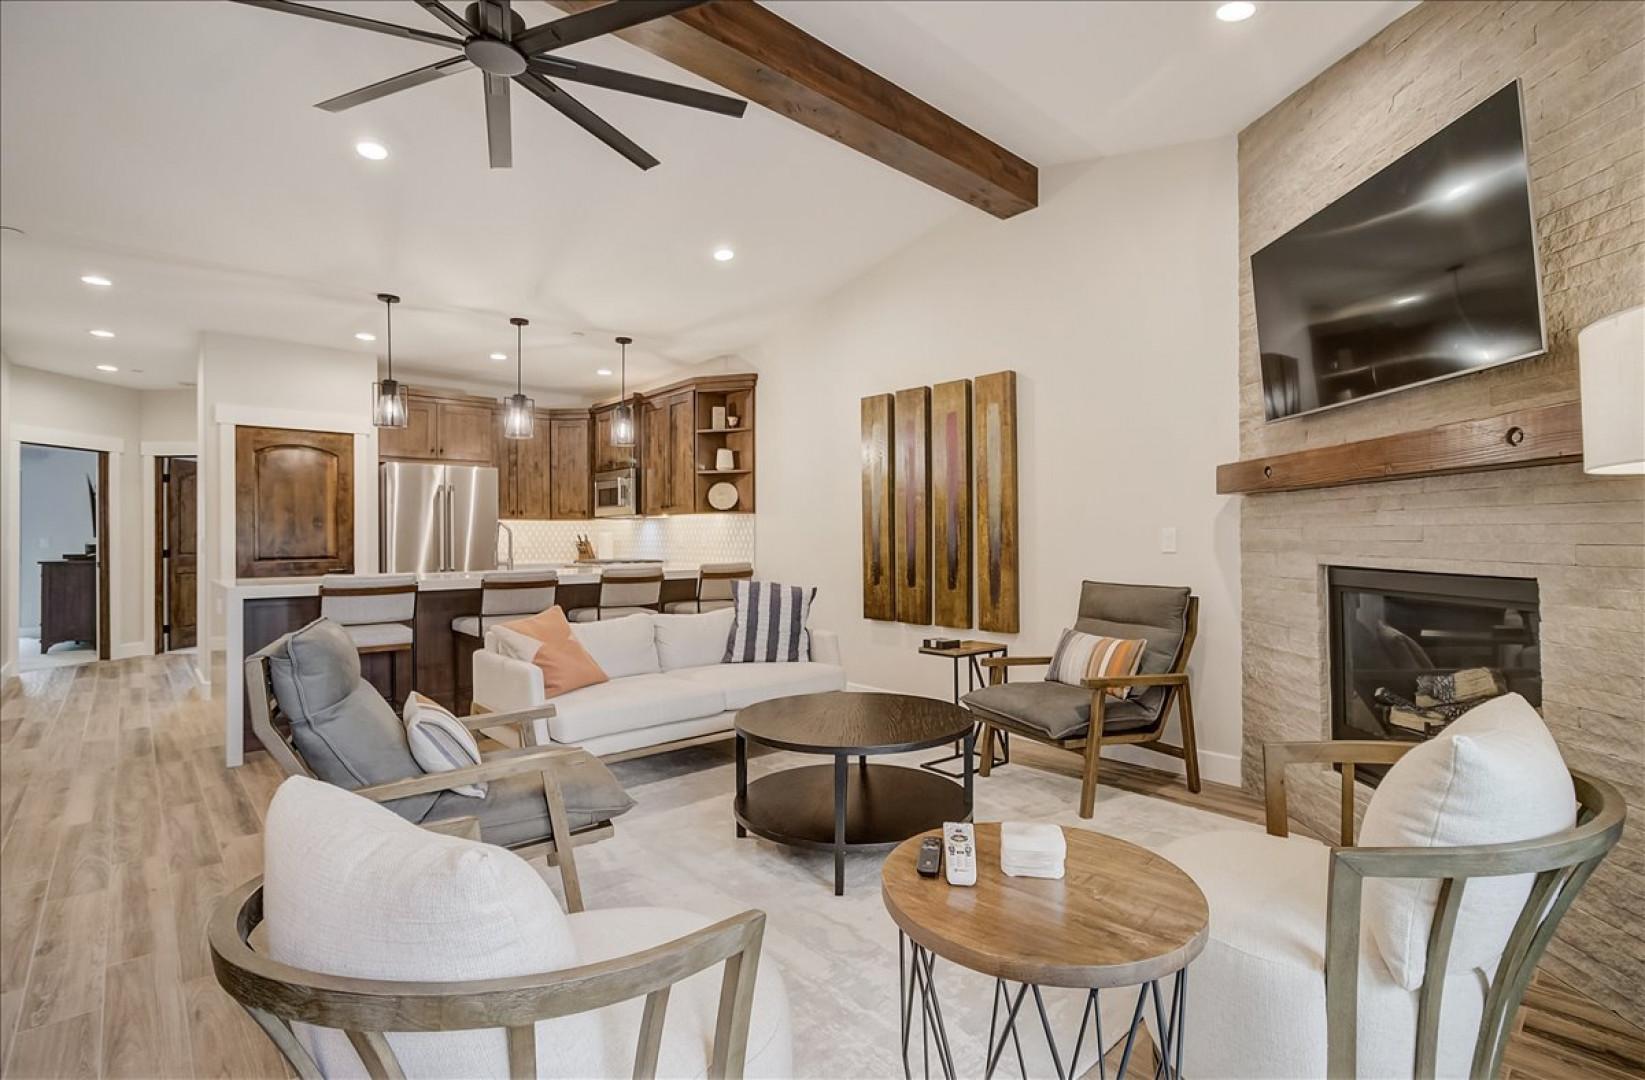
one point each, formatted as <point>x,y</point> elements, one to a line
<point>388,398</point>
<point>622,417</point>
<point>519,411</point>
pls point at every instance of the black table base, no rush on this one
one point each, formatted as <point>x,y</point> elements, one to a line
<point>916,977</point>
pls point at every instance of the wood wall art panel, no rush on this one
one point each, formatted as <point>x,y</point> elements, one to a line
<point>995,445</point>
<point>951,502</point>
<point>879,596</point>
<point>293,502</point>
<point>912,483</point>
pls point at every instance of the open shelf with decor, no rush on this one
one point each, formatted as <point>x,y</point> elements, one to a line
<point>725,444</point>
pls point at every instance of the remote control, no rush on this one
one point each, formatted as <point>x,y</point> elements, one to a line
<point>930,860</point>
<point>960,852</point>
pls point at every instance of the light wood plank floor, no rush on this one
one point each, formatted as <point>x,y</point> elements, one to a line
<point>120,829</point>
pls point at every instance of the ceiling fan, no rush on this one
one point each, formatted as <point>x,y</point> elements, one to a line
<point>494,39</point>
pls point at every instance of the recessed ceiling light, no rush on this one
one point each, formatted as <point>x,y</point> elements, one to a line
<point>724,254</point>
<point>102,333</point>
<point>107,367</point>
<point>1236,11</point>
<point>96,279</point>
<point>499,356</point>
<point>602,371</point>
<point>365,335</point>
<point>371,151</point>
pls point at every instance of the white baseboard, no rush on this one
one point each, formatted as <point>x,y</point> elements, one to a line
<point>1215,767</point>
<point>129,650</point>
<point>8,669</point>
<point>864,688</point>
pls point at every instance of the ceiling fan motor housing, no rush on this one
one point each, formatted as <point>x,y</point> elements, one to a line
<point>489,52</point>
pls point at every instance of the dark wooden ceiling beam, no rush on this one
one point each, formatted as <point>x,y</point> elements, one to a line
<point>750,51</point>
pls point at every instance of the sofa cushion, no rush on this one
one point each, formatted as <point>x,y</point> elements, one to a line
<point>340,725</point>
<point>692,640</point>
<point>350,889</point>
<point>514,810</point>
<point>622,647</point>
<point>1264,968</point>
<point>769,624</point>
<point>1156,613</point>
<point>640,701</point>
<point>693,1004</point>
<point>546,641</point>
<point>1080,656</point>
<point>747,684</point>
<point>440,742</point>
<point>1493,776</point>
<point>1058,711</point>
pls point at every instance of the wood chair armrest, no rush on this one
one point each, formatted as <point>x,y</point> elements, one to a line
<point>1345,752</point>
<point>1114,682</point>
<point>494,767</point>
<point>1014,661</point>
<point>522,720</point>
<point>466,827</point>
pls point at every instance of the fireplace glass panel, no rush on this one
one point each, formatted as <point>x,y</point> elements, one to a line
<point>1412,651</point>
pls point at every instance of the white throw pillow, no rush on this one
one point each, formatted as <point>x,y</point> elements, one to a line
<point>512,644</point>
<point>440,742</point>
<point>692,640</point>
<point>351,888</point>
<point>623,646</point>
<point>1492,777</point>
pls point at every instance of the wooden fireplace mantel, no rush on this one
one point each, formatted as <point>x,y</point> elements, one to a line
<point>1547,435</point>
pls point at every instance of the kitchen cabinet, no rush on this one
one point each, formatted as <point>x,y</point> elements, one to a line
<point>668,453</point>
<point>608,456</point>
<point>570,477</point>
<point>522,473</point>
<point>293,502</point>
<point>440,427</point>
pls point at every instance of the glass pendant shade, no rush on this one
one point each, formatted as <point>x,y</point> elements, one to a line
<point>388,404</point>
<point>519,416</point>
<point>622,425</point>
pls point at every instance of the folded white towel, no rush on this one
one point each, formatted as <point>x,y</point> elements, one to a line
<point>1032,849</point>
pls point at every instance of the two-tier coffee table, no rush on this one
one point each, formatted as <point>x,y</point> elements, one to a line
<point>1121,916</point>
<point>837,806</point>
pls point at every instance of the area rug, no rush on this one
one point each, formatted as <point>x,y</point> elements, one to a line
<point>838,955</point>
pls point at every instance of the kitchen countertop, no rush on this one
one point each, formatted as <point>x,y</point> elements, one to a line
<point>569,573</point>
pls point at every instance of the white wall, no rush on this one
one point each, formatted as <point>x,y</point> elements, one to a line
<point>1116,303</point>
<point>54,518</point>
<point>253,381</point>
<point>9,493</point>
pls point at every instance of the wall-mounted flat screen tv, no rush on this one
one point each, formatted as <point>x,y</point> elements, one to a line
<point>1424,271</point>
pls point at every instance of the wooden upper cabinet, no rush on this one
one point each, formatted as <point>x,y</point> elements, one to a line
<point>654,486</point>
<point>293,502</point>
<point>415,441</point>
<point>606,455</point>
<point>682,454</point>
<point>570,477</point>
<point>466,432</point>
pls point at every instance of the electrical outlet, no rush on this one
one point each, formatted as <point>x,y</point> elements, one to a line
<point>1168,539</point>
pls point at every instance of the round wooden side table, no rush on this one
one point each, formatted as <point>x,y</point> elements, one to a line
<point>1120,916</point>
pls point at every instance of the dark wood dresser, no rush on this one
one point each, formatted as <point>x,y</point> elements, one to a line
<point>68,601</point>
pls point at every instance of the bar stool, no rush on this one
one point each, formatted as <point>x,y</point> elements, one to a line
<point>713,588</point>
<point>379,614</point>
<point>624,590</point>
<point>504,596</point>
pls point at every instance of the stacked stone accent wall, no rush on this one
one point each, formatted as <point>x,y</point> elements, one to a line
<point>1582,71</point>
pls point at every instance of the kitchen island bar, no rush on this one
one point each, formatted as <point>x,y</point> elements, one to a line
<point>258,610</point>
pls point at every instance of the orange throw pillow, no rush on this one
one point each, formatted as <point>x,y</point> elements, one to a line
<point>565,664</point>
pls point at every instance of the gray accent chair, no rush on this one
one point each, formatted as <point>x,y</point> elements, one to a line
<point>1060,715</point>
<point>713,588</point>
<point>624,590</point>
<point>317,717</point>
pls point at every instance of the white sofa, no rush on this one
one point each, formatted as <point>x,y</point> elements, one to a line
<point>667,682</point>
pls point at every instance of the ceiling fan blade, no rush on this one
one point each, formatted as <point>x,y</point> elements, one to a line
<point>359,22</point>
<point>457,23</point>
<point>558,67</point>
<point>499,139</point>
<point>605,19</point>
<point>583,117</point>
<point>416,77</point>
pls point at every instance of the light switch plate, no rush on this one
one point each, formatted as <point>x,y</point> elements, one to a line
<point>1168,539</point>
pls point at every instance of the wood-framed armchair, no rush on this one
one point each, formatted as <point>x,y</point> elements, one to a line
<point>525,808</point>
<point>1287,923</point>
<point>1084,719</point>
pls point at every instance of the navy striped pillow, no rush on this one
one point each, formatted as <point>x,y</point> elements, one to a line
<point>769,624</point>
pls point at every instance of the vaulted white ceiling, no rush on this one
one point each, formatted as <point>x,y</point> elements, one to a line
<point>173,147</point>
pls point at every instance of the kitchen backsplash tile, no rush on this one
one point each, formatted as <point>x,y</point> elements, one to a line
<point>686,538</point>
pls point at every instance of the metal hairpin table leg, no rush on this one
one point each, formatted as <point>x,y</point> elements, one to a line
<point>920,965</point>
<point>1169,1022</point>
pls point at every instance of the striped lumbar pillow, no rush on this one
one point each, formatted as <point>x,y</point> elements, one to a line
<point>440,742</point>
<point>769,625</point>
<point>1082,656</point>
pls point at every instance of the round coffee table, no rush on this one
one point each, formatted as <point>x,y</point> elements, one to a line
<point>1120,916</point>
<point>834,806</point>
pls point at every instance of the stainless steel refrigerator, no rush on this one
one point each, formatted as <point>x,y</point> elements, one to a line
<point>437,517</point>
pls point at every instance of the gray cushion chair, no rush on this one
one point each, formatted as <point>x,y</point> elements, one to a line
<point>317,717</point>
<point>1061,715</point>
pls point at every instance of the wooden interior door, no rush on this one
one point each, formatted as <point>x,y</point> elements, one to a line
<point>293,502</point>
<point>179,556</point>
<point>467,433</point>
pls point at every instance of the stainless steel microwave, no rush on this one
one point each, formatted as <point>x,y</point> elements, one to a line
<point>616,493</point>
